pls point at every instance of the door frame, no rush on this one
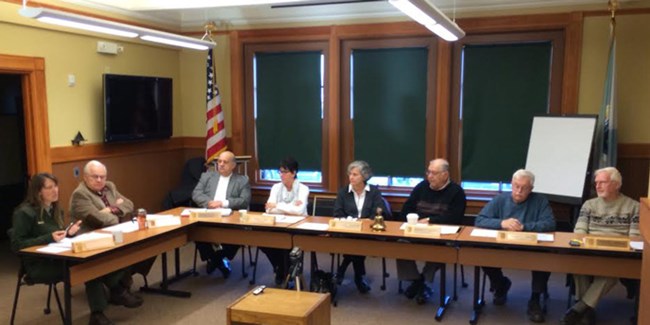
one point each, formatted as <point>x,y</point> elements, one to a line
<point>37,133</point>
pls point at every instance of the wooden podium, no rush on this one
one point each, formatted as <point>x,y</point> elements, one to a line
<point>644,292</point>
<point>280,307</point>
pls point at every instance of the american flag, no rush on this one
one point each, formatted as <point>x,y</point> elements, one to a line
<point>215,129</point>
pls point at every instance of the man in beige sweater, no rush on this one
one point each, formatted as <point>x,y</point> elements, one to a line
<point>611,214</point>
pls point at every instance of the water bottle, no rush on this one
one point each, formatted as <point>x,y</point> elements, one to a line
<point>142,219</point>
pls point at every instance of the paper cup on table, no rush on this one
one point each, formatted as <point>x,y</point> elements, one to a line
<point>118,236</point>
<point>242,213</point>
<point>412,218</point>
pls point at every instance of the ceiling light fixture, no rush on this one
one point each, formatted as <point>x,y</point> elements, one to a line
<point>433,19</point>
<point>113,28</point>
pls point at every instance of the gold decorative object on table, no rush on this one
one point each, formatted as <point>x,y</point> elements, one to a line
<point>378,224</point>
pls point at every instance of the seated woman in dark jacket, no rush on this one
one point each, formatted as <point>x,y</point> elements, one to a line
<point>358,200</point>
<point>39,221</point>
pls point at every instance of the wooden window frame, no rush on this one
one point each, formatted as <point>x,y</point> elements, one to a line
<point>249,118</point>
<point>347,125</point>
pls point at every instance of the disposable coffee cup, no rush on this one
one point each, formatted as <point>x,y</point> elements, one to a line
<point>412,218</point>
<point>242,213</point>
<point>118,236</point>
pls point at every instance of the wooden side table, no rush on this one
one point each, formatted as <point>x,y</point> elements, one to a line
<point>280,307</point>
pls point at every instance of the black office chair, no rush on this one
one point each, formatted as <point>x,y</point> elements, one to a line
<point>24,279</point>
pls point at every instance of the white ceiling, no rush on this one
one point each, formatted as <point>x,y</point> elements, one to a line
<point>256,15</point>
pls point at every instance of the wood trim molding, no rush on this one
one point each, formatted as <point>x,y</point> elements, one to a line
<point>37,132</point>
<point>102,150</point>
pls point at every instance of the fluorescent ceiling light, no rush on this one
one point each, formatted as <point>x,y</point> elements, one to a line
<point>112,28</point>
<point>428,15</point>
<point>185,4</point>
<point>169,41</point>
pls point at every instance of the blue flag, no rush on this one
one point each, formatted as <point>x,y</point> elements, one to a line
<point>606,128</point>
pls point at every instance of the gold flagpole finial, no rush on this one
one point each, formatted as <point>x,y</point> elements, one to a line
<point>209,27</point>
<point>612,6</point>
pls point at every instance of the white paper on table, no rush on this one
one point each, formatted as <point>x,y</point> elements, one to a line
<point>444,230</point>
<point>279,218</point>
<point>314,226</point>
<point>124,227</point>
<point>224,212</point>
<point>90,235</point>
<point>53,249</point>
<point>484,233</point>
<point>546,237</point>
<point>159,216</point>
<point>636,245</point>
<point>64,243</point>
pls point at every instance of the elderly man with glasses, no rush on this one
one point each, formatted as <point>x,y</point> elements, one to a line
<point>521,210</point>
<point>438,200</point>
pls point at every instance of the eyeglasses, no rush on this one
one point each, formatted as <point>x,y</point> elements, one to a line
<point>433,172</point>
<point>284,171</point>
<point>98,177</point>
<point>602,182</point>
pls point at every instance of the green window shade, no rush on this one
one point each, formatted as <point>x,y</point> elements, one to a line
<point>503,87</point>
<point>389,93</point>
<point>289,108</point>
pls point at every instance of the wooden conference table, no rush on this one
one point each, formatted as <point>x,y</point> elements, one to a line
<point>556,256</point>
<point>457,248</point>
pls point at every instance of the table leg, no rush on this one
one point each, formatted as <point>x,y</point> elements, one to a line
<point>67,294</point>
<point>478,302</point>
<point>444,299</point>
<point>164,284</point>
<point>178,275</point>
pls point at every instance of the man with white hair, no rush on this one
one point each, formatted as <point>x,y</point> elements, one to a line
<point>521,210</point>
<point>611,214</point>
<point>441,201</point>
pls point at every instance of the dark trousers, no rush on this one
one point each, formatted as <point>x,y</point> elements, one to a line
<point>358,264</point>
<point>207,251</point>
<point>279,258</point>
<point>539,283</point>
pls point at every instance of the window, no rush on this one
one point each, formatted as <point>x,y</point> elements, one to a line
<point>502,84</point>
<point>386,92</point>
<point>287,85</point>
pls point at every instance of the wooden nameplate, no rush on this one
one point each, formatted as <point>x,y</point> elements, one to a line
<point>205,214</point>
<point>517,237</point>
<point>422,230</point>
<point>163,222</point>
<point>257,219</point>
<point>90,244</point>
<point>345,225</point>
<point>609,243</point>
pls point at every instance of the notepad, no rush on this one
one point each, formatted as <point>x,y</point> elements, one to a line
<point>124,227</point>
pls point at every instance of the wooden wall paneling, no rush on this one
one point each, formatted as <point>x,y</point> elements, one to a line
<point>633,162</point>
<point>145,178</point>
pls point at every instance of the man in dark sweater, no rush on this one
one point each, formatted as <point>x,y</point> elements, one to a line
<point>437,200</point>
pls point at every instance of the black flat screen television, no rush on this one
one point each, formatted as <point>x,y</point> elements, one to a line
<point>137,108</point>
